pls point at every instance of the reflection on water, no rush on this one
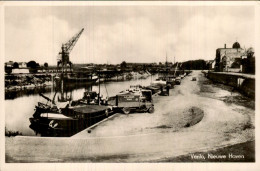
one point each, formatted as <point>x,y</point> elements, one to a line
<point>20,108</point>
<point>26,92</point>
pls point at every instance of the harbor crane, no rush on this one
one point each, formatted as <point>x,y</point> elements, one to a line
<point>64,60</point>
<point>63,56</point>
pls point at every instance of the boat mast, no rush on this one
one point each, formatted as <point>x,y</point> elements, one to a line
<point>99,87</point>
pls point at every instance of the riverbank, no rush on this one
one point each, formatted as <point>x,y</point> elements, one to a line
<point>26,84</point>
<point>242,152</point>
<point>20,82</point>
<point>244,83</point>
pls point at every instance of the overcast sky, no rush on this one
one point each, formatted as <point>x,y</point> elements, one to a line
<point>125,33</point>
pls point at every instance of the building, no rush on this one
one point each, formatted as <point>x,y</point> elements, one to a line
<point>229,59</point>
<point>9,64</point>
<point>22,64</point>
<point>20,71</point>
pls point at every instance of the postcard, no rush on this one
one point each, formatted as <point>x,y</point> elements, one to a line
<point>129,85</point>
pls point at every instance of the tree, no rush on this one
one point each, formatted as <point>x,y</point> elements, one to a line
<point>135,68</point>
<point>194,65</point>
<point>123,65</point>
<point>249,62</point>
<point>8,70</point>
<point>236,63</point>
<point>15,65</point>
<point>46,65</point>
<point>32,64</point>
<point>144,67</point>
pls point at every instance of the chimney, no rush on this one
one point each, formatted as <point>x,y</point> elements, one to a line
<point>225,46</point>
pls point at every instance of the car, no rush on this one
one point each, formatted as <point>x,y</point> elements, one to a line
<point>178,81</point>
<point>194,79</point>
<point>127,102</point>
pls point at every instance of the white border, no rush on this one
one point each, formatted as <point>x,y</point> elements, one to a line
<point>129,166</point>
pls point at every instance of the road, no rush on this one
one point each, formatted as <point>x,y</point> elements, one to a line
<point>194,118</point>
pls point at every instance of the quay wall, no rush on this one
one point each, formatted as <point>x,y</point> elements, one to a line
<point>244,83</point>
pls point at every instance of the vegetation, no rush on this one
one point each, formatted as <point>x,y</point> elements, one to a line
<point>123,65</point>
<point>8,70</point>
<point>10,133</point>
<point>249,62</point>
<point>194,65</point>
<point>46,65</point>
<point>32,64</point>
<point>16,65</point>
<point>236,63</point>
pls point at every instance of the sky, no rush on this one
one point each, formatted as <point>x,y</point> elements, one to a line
<point>113,34</point>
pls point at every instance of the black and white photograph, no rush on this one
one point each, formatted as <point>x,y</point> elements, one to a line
<point>129,82</point>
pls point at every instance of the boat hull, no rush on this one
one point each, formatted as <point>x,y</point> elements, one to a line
<point>53,127</point>
<point>73,120</point>
<point>80,80</point>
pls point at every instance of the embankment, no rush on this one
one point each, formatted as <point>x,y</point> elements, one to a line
<point>244,83</point>
<point>242,152</point>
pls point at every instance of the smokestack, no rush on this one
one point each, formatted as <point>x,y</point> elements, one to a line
<point>225,46</point>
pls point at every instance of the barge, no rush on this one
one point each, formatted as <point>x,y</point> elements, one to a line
<point>68,118</point>
<point>70,121</point>
<point>80,77</point>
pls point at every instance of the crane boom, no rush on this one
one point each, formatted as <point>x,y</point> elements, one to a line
<point>71,43</point>
<point>63,57</point>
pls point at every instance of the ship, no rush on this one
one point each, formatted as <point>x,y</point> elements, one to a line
<point>80,78</point>
<point>62,119</point>
<point>69,122</point>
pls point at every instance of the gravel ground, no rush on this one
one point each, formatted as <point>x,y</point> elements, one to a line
<point>244,152</point>
<point>194,118</point>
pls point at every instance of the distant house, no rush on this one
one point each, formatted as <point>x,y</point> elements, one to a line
<point>118,68</point>
<point>229,59</point>
<point>20,71</point>
<point>22,64</point>
<point>9,64</point>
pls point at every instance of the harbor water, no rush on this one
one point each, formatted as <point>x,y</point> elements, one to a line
<point>19,110</point>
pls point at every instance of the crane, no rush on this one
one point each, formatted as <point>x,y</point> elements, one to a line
<point>63,56</point>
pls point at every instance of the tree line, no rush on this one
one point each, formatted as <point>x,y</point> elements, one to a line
<point>31,65</point>
<point>195,65</point>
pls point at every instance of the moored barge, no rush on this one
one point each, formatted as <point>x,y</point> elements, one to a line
<point>70,121</point>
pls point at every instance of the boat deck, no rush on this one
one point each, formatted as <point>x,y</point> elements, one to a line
<point>90,109</point>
